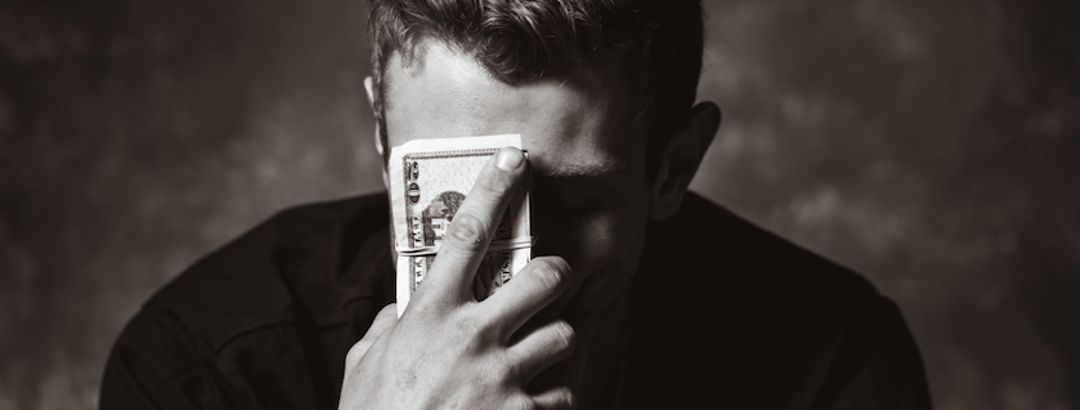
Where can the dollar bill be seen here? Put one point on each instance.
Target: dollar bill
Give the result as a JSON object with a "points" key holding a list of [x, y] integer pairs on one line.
{"points": [[429, 179]]}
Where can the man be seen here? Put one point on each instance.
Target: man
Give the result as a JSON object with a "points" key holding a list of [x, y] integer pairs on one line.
{"points": [[645, 296]]}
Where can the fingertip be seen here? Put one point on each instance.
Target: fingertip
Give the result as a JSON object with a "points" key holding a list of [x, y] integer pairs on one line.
{"points": [[567, 335], [553, 272], [509, 159], [557, 398]]}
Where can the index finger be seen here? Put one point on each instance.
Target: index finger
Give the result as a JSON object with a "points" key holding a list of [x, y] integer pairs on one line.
{"points": [[470, 231]]}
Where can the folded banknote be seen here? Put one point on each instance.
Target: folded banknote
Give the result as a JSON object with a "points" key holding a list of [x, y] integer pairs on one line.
{"points": [[429, 179]]}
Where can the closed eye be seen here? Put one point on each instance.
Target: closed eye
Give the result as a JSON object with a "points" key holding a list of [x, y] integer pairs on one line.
{"points": [[574, 193]]}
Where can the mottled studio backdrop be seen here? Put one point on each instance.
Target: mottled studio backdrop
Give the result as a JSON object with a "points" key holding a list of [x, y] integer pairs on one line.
{"points": [[932, 144]]}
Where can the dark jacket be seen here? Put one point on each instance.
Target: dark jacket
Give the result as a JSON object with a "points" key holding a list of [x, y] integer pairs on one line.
{"points": [[723, 315]]}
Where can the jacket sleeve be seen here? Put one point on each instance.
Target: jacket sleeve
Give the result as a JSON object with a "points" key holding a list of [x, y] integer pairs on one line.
{"points": [[157, 364], [878, 367]]}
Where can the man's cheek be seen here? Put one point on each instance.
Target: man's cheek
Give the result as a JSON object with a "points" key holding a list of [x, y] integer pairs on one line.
{"points": [[596, 242], [590, 239]]}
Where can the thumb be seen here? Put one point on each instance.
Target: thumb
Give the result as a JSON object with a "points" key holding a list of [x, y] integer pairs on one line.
{"points": [[384, 321]]}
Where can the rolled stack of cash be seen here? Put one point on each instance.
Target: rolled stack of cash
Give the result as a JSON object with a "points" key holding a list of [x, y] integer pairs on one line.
{"points": [[429, 179]]}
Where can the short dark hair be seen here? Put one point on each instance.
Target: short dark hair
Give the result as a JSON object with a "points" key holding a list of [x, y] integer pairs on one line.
{"points": [[655, 44]]}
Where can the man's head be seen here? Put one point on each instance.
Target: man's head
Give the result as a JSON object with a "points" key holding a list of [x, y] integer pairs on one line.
{"points": [[600, 90], [654, 46]]}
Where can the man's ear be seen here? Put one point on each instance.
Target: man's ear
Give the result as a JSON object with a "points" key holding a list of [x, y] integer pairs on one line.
{"points": [[380, 148], [370, 91], [681, 158]]}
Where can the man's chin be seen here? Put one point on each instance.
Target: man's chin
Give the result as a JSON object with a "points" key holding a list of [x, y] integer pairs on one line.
{"points": [[593, 299]]}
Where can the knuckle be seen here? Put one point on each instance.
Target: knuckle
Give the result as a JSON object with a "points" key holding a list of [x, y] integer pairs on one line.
{"points": [[422, 309], [467, 325], [468, 231], [472, 330], [494, 371], [505, 368]]}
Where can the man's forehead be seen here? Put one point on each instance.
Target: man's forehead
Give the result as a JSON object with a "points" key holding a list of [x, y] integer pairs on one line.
{"points": [[569, 128]]}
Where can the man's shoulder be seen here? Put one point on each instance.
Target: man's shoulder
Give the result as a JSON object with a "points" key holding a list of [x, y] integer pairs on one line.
{"points": [[258, 279], [785, 324], [708, 266], [259, 313], [730, 250]]}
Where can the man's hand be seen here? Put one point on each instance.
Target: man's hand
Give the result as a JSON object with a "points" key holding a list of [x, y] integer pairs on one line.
{"points": [[450, 351]]}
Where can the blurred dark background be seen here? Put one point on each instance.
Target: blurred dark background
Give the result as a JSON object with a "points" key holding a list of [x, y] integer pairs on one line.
{"points": [[931, 144]]}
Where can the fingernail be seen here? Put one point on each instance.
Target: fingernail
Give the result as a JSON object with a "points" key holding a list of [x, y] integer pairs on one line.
{"points": [[509, 159]]}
